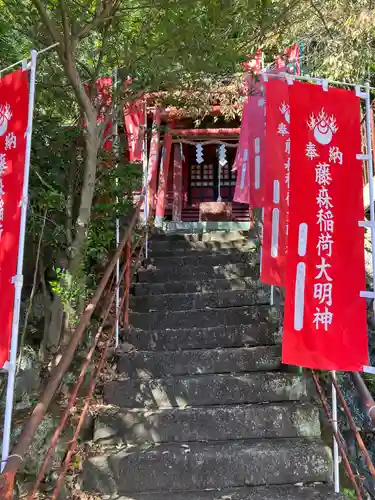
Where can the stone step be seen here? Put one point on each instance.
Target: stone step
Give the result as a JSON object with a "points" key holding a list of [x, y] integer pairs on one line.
{"points": [[153, 364], [258, 333], [195, 301], [205, 390], [217, 236], [263, 421], [205, 318], [172, 248], [180, 467], [201, 272], [293, 492], [203, 259], [211, 285]]}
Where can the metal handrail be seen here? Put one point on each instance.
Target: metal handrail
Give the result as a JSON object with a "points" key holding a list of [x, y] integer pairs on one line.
{"points": [[19, 451], [367, 400], [85, 365], [333, 424]]}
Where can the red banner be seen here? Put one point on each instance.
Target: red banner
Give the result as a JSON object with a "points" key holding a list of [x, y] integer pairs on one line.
{"points": [[252, 127], [153, 160], [257, 132], [102, 100], [13, 125], [276, 182], [325, 318], [134, 117]]}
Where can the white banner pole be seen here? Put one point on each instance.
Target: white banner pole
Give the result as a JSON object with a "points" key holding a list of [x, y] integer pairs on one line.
{"points": [[370, 167], [18, 279], [145, 178], [115, 146], [336, 461]]}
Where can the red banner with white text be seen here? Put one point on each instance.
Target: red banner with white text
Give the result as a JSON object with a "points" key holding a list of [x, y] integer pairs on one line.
{"points": [[325, 318], [13, 125], [276, 182]]}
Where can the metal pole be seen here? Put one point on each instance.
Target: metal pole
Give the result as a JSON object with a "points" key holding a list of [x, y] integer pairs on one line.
{"points": [[336, 471], [370, 167], [145, 176], [18, 279], [116, 151], [219, 173]]}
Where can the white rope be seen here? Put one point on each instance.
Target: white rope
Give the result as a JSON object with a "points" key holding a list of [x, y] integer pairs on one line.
{"points": [[46, 49], [204, 143]]}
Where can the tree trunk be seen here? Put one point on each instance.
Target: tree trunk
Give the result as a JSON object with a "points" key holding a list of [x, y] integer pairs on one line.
{"points": [[87, 195]]}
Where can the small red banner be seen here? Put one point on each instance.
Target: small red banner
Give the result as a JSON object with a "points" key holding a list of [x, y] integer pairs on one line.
{"points": [[153, 161], [277, 151], [325, 323], [134, 117], [13, 125], [252, 127]]}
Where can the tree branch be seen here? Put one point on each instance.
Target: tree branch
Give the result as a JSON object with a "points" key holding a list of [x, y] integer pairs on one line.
{"points": [[66, 31], [110, 8], [38, 4], [321, 17]]}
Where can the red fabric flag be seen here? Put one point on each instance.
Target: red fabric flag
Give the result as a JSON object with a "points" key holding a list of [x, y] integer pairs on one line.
{"points": [[252, 125], [277, 151], [134, 117], [102, 100], [325, 318], [257, 132], [153, 160], [13, 125]]}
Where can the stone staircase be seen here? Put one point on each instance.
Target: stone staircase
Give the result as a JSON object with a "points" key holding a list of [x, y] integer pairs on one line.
{"points": [[201, 408]]}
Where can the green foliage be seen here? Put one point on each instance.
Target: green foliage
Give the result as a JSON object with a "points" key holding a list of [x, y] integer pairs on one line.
{"points": [[70, 291], [350, 494]]}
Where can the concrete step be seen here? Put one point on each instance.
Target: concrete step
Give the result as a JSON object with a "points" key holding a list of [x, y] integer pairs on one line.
{"points": [[211, 285], [180, 467], [205, 318], [204, 259], [205, 236], [258, 333], [153, 364], [172, 248], [263, 421], [292, 492], [194, 301], [202, 272], [204, 390]]}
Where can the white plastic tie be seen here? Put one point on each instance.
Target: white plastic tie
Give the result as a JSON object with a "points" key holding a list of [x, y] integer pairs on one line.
{"points": [[289, 79], [363, 157], [324, 83], [359, 93], [366, 223], [17, 280]]}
